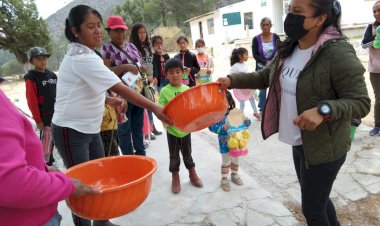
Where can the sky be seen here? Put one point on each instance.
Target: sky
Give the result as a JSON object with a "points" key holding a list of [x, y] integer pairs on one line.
{"points": [[48, 7]]}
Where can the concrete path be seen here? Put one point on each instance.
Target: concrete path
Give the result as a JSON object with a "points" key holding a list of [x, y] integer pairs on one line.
{"points": [[269, 184], [249, 204]]}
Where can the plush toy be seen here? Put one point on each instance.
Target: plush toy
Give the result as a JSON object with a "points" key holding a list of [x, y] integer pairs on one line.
{"points": [[376, 43], [185, 75], [204, 77], [238, 133]]}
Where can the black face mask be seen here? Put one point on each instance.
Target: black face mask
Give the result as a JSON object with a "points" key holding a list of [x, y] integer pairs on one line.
{"points": [[293, 26]]}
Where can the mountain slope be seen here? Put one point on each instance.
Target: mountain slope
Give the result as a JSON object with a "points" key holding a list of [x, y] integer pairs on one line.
{"points": [[56, 22]]}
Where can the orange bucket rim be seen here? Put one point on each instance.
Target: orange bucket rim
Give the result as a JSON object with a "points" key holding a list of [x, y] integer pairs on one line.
{"points": [[107, 190], [191, 88]]}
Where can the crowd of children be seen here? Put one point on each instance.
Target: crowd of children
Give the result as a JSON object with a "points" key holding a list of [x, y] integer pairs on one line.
{"points": [[172, 76]]}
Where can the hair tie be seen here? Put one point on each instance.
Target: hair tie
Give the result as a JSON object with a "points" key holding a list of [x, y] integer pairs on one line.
{"points": [[336, 6]]}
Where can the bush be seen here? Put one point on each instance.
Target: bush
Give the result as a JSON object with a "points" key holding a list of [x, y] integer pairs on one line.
{"points": [[169, 36], [12, 67]]}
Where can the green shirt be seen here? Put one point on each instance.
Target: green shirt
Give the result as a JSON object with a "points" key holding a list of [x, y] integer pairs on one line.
{"points": [[167, 93]]}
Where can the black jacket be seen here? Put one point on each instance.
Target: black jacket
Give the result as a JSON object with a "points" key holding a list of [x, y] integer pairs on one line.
{"points": [[256, 53], [190, 61], [157, 73]]}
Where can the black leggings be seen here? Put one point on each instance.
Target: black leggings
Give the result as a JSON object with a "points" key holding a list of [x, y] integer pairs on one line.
{"points": [[316, 184], [375, 81]]}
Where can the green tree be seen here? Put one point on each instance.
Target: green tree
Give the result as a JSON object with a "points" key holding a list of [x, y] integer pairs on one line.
{"points": [[5, 56], [21, 28], [132, 11], [155, 9], [176, 12], [12, 67]]}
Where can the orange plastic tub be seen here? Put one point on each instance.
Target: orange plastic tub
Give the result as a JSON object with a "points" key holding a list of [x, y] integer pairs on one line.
{"points": [[124, 180], [198, 107]]}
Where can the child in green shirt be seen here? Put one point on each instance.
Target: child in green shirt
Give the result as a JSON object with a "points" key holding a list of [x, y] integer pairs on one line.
{"points": [[177, 139]]}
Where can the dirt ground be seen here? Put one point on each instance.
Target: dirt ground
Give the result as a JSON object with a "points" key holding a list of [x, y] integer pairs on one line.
{"points": [[365, 212]]}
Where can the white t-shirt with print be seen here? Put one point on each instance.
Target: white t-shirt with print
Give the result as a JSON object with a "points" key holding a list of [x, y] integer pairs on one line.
{"points": [[293, 65], [268, 49], [82, 82]]}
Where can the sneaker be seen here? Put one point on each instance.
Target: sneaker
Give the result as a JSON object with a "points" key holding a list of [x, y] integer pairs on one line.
{"points": [[257, 116], [152, 137], [236, 179], [375, 131], [225, 184]]}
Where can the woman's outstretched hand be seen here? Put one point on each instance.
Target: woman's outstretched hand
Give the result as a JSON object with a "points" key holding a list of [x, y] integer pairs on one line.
{"points": [[225, 82], [159, 112], [83, 189], [309, 119]]}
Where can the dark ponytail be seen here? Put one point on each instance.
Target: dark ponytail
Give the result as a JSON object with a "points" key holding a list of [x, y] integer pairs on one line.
{"points": [[68, 33], [332, 9], [236, 53], [230, 100], [76, 17]]}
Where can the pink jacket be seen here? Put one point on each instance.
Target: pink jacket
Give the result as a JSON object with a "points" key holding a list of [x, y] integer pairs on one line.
{"points": [[29, 195], [374, 56]]}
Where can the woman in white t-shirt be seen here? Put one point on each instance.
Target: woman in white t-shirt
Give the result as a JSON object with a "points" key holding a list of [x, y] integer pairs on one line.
{"points": [[80, 100], [316, 86]]}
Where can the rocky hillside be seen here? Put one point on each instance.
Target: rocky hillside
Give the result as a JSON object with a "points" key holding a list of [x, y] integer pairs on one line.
{"points": [[56, 22]]}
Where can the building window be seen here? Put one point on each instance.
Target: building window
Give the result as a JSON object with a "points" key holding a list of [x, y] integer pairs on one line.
{"points": [[231, 19], [263, 3], [210, 26], [248, 20]]}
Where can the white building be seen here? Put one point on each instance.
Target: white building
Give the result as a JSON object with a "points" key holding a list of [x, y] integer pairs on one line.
{"points": [[242, 20]]}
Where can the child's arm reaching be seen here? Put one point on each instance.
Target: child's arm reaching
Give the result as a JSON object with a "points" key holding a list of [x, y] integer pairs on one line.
{"points": [[247, 122], [219, 127]]}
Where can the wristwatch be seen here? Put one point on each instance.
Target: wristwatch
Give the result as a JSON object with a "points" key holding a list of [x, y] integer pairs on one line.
{"points": [[325, 110]]}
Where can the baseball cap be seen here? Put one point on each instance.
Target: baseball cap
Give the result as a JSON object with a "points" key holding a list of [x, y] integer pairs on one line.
{"points": [[37, 51], [114, 22]]}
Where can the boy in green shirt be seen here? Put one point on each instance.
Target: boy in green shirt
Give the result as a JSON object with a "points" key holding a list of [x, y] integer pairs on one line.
{"points": [[177, 139]]}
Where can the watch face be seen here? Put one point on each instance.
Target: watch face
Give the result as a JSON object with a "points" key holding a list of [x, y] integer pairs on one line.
{"points": [[325, 109]]}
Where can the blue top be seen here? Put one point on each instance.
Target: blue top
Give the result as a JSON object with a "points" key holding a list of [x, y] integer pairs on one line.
{"points": [[224, 135]]}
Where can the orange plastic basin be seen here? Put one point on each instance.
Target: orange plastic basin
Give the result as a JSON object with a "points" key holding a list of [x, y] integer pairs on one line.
{"points": [[124, 180], [198, 107]]}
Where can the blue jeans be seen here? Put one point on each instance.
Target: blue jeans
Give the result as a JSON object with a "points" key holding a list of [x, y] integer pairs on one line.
{"points": [[316, 183], [131, 130], [75, 147], [55, 220], [262, 99], [262, 94]]}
